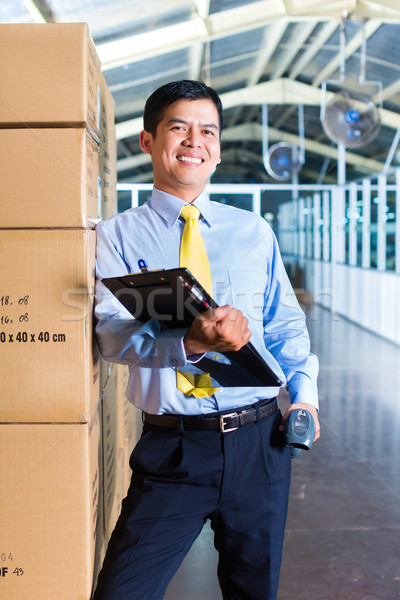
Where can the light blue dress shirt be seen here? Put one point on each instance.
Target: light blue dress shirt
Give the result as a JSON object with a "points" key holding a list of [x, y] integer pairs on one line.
{"points": [[247, 273]]}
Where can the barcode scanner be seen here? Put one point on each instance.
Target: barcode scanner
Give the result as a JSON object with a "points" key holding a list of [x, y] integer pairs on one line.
{"points": [[299, 431]]}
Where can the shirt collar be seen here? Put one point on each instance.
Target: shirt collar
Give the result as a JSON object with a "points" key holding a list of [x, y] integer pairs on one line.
{"points": [[169, 207]]}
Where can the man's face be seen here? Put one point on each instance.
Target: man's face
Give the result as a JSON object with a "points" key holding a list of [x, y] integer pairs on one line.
{"points": [[186, 149]]}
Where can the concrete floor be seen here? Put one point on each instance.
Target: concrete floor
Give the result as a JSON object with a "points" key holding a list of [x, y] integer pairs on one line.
{"points": [[342, 539]]}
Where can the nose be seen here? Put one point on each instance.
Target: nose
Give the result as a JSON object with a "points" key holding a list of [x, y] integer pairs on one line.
{"points": [[192, 139]]}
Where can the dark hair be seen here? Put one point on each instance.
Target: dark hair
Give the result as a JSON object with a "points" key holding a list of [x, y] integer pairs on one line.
{"points": [[167, 94]]}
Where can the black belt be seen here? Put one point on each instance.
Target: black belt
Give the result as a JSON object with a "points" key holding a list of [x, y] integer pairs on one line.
{"points": [[223, 422]]}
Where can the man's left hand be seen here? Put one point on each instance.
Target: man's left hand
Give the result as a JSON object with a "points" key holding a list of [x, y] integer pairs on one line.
{"points": [[305, 406]]}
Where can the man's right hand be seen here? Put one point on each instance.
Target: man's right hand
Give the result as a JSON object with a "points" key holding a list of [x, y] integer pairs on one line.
{"points": [[220, 329]]}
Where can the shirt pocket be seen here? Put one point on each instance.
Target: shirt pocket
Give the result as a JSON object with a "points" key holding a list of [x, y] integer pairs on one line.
{"points": [[248, 292]]}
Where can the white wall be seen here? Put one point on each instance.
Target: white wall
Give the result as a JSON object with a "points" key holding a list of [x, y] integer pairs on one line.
{"points": [[332, 243], [366, 296]]}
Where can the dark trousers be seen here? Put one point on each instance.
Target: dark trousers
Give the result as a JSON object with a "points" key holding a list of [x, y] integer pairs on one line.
{"points": [[238, 480]]}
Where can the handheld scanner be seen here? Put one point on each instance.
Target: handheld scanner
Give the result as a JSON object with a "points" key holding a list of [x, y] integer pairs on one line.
{"points": [[299, 431]]}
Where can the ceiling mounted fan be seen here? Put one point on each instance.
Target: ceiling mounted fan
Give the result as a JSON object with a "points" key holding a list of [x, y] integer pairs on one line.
{"points": [[351, 116], [283, 160]]}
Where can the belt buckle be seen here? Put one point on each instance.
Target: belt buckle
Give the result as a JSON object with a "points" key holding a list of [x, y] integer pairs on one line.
{"points": [[223, 425]]}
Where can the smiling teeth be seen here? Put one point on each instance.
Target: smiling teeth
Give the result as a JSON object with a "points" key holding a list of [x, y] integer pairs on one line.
{"points": [[189, 159]]}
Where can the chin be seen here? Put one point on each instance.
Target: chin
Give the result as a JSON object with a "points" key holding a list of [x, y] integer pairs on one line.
{"points": [[193, 181]]}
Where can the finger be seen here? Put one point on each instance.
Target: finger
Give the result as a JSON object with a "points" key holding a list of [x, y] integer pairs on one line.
{"points": [[213, 315], [282, 423], [247, 333], [217, 314]]}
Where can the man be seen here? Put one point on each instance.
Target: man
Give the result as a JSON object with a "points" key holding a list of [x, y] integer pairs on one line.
{"points": [[186, 469]]}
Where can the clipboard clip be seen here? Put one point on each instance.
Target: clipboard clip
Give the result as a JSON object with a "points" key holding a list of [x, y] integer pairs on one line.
{"points": [[142, 265]]}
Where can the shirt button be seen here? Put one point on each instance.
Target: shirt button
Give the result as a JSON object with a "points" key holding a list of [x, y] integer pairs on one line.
{"points": [[174, 362], [220, 389]]}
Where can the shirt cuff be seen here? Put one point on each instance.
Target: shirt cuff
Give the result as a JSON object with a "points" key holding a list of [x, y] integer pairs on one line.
{"points": [[194, 358], [304, 390], [170, 348]]}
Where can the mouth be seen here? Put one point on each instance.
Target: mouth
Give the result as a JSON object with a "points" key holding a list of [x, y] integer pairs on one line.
{"points": [[190, 159]]}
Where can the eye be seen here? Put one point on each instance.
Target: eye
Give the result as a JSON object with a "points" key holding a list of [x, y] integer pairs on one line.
{"points": [[208, 132]]}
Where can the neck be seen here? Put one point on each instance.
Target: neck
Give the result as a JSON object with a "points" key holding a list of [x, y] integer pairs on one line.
{"points": [[188, 195]]}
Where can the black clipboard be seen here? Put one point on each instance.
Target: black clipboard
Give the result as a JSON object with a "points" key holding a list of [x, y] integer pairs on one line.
{"points": [[174, 298]]}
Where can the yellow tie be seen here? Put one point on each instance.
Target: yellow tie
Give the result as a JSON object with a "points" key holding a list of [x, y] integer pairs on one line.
{"points": [[193, 256]]}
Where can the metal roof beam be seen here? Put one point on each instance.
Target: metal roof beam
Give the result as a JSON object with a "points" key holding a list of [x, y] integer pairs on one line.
{"points": [[387, 10], [196, 59], [36, 11], [324, 35], [131, 162], [145, 176], [300, 34], [352, 46], [389, 91], [203, 8], [197, 49], [152, 43], [128, 128], [277, 91], [272, 37]]}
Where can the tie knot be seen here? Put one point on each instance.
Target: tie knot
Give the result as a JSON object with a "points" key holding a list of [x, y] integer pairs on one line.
{"points": [[190, 212]]}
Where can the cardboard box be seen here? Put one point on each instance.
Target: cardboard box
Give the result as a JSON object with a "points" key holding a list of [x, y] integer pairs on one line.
{"points": [[108, 152], [127, 469], [105, 372], [50, 76], [110, 445], [120, 490], [131, 417], [51, 517], [131, 422], [49, 363], [113, 455], [49, 178]]}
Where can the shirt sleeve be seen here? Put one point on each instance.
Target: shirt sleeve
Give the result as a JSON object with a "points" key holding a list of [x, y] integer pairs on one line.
{"points": [[285, 332], [122, 338]]}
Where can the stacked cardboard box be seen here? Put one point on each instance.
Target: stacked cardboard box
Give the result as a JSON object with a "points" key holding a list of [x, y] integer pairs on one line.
{"points": [[51, 509], [130, 422], [57, 167], [108, 152], [114, 457], [122, 427]]}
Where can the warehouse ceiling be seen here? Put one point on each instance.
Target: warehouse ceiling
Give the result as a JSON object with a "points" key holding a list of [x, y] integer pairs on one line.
{"points": [[274, 52]]}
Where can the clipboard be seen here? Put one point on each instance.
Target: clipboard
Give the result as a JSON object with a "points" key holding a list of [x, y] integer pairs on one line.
{"points": [[174, 298]]}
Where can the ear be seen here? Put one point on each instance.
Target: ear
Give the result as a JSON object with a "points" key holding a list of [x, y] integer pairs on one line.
{"points": [[145, 141]]}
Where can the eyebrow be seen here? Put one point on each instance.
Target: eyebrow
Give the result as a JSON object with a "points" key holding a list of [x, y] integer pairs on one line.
{"points": [[177, 120]]}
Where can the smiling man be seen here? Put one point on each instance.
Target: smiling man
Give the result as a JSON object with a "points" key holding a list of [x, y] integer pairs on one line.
{"points": [[185, 147], [205, 452]]}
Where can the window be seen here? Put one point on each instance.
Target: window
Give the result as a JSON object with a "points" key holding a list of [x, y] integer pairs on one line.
{"points": [[359, 226], [374, 227], [390, 227]]}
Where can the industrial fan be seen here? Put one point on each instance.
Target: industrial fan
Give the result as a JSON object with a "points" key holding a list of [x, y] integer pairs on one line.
{"points": [[351, 117], [283, 160]]}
